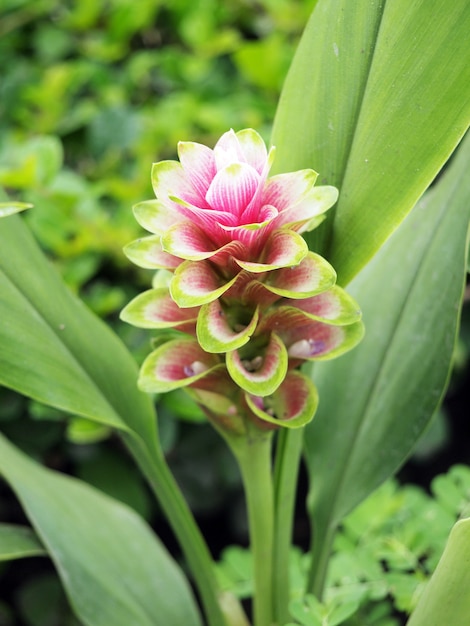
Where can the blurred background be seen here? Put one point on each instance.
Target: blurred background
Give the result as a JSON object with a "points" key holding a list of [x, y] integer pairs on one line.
{"points": [[91, 94]]}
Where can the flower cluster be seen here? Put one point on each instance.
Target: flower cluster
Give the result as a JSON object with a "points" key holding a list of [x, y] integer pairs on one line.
{"points": [[236, 280]]}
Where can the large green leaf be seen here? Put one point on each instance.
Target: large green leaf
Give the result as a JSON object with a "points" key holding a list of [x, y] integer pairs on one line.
{"points": [[55, 350], [376, 401], [377, 97], [113, 568], [446, 599]]}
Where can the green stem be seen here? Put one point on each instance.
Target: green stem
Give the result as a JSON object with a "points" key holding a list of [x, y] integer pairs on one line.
{"points": [[288, 455], [253, 453], [194, 547]]}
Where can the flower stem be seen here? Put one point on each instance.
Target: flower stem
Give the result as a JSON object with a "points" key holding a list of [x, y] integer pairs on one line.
{"points": [[253, 453], [194, 547], [288, 454]]}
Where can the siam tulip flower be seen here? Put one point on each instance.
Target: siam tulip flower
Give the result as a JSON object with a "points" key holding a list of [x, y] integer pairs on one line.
{"points": [[238, 280]]}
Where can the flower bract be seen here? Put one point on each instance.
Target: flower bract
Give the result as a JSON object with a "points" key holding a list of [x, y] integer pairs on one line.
{"points": [[249, 302]]}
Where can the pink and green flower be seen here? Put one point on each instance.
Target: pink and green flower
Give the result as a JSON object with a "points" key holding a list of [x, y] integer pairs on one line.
{"points": [[249, 300]]}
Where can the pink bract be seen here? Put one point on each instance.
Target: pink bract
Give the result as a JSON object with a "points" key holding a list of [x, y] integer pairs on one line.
{"points": [[211, 198]]}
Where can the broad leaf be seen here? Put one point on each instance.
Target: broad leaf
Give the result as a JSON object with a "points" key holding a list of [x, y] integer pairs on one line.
{"points": [[377, 97], [113, 568], [376, 401], [446, 599], [55, 350], [18, 542]]}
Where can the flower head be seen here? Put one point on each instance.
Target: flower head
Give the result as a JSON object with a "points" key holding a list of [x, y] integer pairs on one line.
{"points": [[252, 301]]}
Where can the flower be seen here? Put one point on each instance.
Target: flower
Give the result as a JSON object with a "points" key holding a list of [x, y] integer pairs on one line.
{"points": [[219, 206], [237, 281]]}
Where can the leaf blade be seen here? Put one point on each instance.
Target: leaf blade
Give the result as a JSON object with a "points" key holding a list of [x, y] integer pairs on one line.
{"points": [[121, 577], [55, 350], [377, 124], [375, 401]]}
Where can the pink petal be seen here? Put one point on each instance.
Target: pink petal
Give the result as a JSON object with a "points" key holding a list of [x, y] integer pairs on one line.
{"points": [[314, 340], [313, 275], [292, 405], [253, 149], [233, 188], [311, 206], [227, 150], [195, 283], [170, 180], [199, 165], [225, 256], [175, 364], [156, 309], [188, 241], [206, 218], [283, 249], [285, 190], [253, 236], [304, 337], [334, 305]]}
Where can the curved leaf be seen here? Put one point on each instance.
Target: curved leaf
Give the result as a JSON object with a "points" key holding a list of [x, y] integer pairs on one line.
{"points": [[445, 599], [377, 97], [113, 568], [376, 401], [55, 350]]}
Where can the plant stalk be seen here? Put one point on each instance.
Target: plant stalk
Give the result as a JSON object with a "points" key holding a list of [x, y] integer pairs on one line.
{"points": [[288, 455], [253, 453]]}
